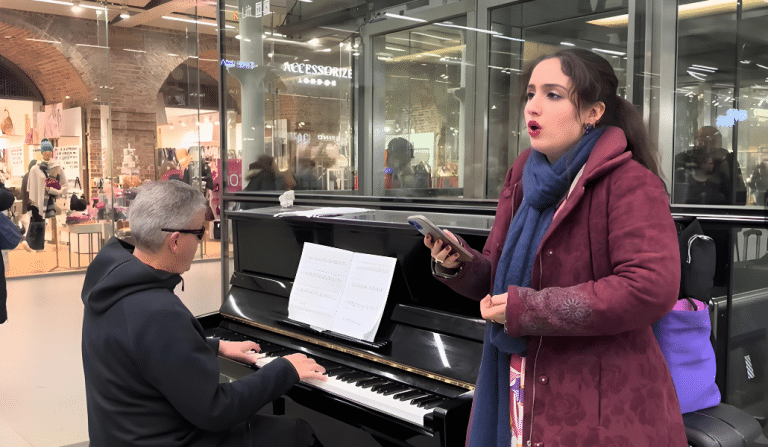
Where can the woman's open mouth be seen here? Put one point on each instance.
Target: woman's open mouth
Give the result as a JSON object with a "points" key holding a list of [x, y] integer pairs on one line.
{"points": [[533, 129]]}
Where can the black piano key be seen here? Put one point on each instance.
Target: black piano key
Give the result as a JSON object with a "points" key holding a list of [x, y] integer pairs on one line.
{"points": [[427, 398], [408, 395], [432, 404], [352, 376], [357, 380], [340, 370], [398, 390], [369, 383], [327, 364], [385, 387]]}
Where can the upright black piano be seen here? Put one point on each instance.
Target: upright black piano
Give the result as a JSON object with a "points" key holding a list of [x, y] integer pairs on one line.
{"points": [[412, 385]]}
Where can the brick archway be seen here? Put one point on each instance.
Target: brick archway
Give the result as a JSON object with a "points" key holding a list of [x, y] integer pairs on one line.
{"points": [[55, 69]]}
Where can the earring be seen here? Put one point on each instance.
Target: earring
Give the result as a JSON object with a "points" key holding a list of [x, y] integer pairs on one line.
{"points": [[588, 127]]}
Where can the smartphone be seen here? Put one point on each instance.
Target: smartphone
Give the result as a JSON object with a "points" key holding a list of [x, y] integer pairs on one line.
{"points": [[426, 227]]}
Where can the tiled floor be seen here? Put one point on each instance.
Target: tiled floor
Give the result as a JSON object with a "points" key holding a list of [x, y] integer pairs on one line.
{"points": [[42, 393]]}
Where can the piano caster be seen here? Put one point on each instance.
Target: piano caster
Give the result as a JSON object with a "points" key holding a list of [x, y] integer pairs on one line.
{"points": [[278, 407]]}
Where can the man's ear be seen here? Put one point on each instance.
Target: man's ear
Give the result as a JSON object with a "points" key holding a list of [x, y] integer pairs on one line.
{"points": [[173, 242]]}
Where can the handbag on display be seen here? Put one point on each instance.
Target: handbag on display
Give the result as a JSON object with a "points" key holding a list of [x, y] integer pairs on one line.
{"points": [[77, 203], [7, 125], [35, 236]]}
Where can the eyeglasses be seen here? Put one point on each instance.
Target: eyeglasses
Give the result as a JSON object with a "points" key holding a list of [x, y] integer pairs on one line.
{"points": [[199, 233]]}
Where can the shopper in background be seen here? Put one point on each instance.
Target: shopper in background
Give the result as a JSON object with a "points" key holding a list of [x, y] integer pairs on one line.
{"points": [[581, 260], [7, 242], [151, 376]]}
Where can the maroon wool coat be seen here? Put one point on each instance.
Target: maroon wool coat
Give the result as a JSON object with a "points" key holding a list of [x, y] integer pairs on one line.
{"points": [[607, 268]]}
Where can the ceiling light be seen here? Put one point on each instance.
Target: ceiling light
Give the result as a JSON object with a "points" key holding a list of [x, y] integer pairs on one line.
{"points": [[451, 25], [617, 53], [569, 44], [398, 16], [199, 22], [124, 13], [76, 6], [314, 41], [56, 2], [38, 40], [704, 67]]}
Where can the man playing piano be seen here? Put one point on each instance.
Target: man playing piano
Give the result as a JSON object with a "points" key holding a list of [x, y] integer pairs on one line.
{"points": [[151, 376]]}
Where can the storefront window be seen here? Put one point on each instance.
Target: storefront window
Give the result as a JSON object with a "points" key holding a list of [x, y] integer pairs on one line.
{"points": [[103, 93], [288, 115], [524, 32], [420, 106], [721, 107]]}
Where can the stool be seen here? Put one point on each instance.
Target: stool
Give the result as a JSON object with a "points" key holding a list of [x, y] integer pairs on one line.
{"points": [[90, 230]]}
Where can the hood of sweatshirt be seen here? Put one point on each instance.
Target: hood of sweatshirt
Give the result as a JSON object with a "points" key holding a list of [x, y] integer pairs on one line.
{"points": [[116, 273]]}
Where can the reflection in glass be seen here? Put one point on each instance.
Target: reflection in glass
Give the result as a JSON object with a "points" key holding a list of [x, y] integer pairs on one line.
{"points": [[288, 119], [419, 105], [523, 33], [721, 104], [747, 361]]}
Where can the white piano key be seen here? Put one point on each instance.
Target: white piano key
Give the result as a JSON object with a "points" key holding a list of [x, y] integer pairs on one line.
{"points": [[364, 396]]}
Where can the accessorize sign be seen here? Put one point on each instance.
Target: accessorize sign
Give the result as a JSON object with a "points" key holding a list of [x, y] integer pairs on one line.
{"points": [[311, 69]]}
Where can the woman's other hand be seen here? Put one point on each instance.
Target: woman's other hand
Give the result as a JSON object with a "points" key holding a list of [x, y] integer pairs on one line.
{"points": [[493, 308], [442, 252]]}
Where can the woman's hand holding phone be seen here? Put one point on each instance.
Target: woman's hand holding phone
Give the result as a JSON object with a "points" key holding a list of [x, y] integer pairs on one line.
{"points": [[442, 252]]}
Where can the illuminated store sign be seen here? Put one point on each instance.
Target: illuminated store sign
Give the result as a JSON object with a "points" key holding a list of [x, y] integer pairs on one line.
{"points": [[238, 64], [314, 81], [259, 9], [324, 70], [306, 138], [731, 117]]}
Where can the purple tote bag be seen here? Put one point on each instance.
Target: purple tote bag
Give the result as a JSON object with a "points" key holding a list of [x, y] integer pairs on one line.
{"points": [[683, 335]]}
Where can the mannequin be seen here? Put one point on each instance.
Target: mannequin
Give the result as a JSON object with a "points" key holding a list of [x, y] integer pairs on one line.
{"points": [[43, 191]]}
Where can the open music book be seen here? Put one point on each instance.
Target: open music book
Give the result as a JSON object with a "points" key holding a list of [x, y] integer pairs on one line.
{"points": [[341, 291]]}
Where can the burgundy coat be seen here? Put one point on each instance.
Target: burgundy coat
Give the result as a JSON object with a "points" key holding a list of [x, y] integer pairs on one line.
{"points": [[607, 268]]}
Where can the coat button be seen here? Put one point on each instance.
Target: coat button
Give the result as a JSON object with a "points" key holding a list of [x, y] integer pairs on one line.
{"points": [[538, 444], [499, 247], [507, 192], [549, 252], [543, 380]]}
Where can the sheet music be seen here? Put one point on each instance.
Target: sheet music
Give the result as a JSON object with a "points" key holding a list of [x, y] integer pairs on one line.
{"points": [[340, 290]]}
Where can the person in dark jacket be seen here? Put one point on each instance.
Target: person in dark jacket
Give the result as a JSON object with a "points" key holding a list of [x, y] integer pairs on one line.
{"points": [[582, 259], [6, 202], [261, 175], [151, 376]]}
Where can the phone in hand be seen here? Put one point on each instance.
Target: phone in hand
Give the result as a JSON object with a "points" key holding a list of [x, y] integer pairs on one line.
{"points": [[426, 227]]}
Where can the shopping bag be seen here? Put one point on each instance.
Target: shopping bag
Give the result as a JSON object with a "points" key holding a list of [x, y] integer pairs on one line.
{"points": [[683, 335]]}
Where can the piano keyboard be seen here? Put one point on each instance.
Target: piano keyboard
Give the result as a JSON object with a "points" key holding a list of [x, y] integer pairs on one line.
{"points": [[378, 393]]}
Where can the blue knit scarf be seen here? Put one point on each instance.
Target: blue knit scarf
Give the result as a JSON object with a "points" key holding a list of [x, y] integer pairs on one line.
{"points": [[544, 185]]}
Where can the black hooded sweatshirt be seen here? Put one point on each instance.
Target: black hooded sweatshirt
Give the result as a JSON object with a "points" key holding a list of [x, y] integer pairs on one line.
{"points": [[151, 377]]}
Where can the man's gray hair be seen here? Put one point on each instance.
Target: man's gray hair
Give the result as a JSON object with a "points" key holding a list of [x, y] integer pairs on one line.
{"points": [[163, 204]]}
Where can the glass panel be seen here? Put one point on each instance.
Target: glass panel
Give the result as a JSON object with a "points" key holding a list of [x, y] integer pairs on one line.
{"points": [[525, 32], [288, 110], [747, 357], [721, 138], [113, 80], [420, 104]]}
